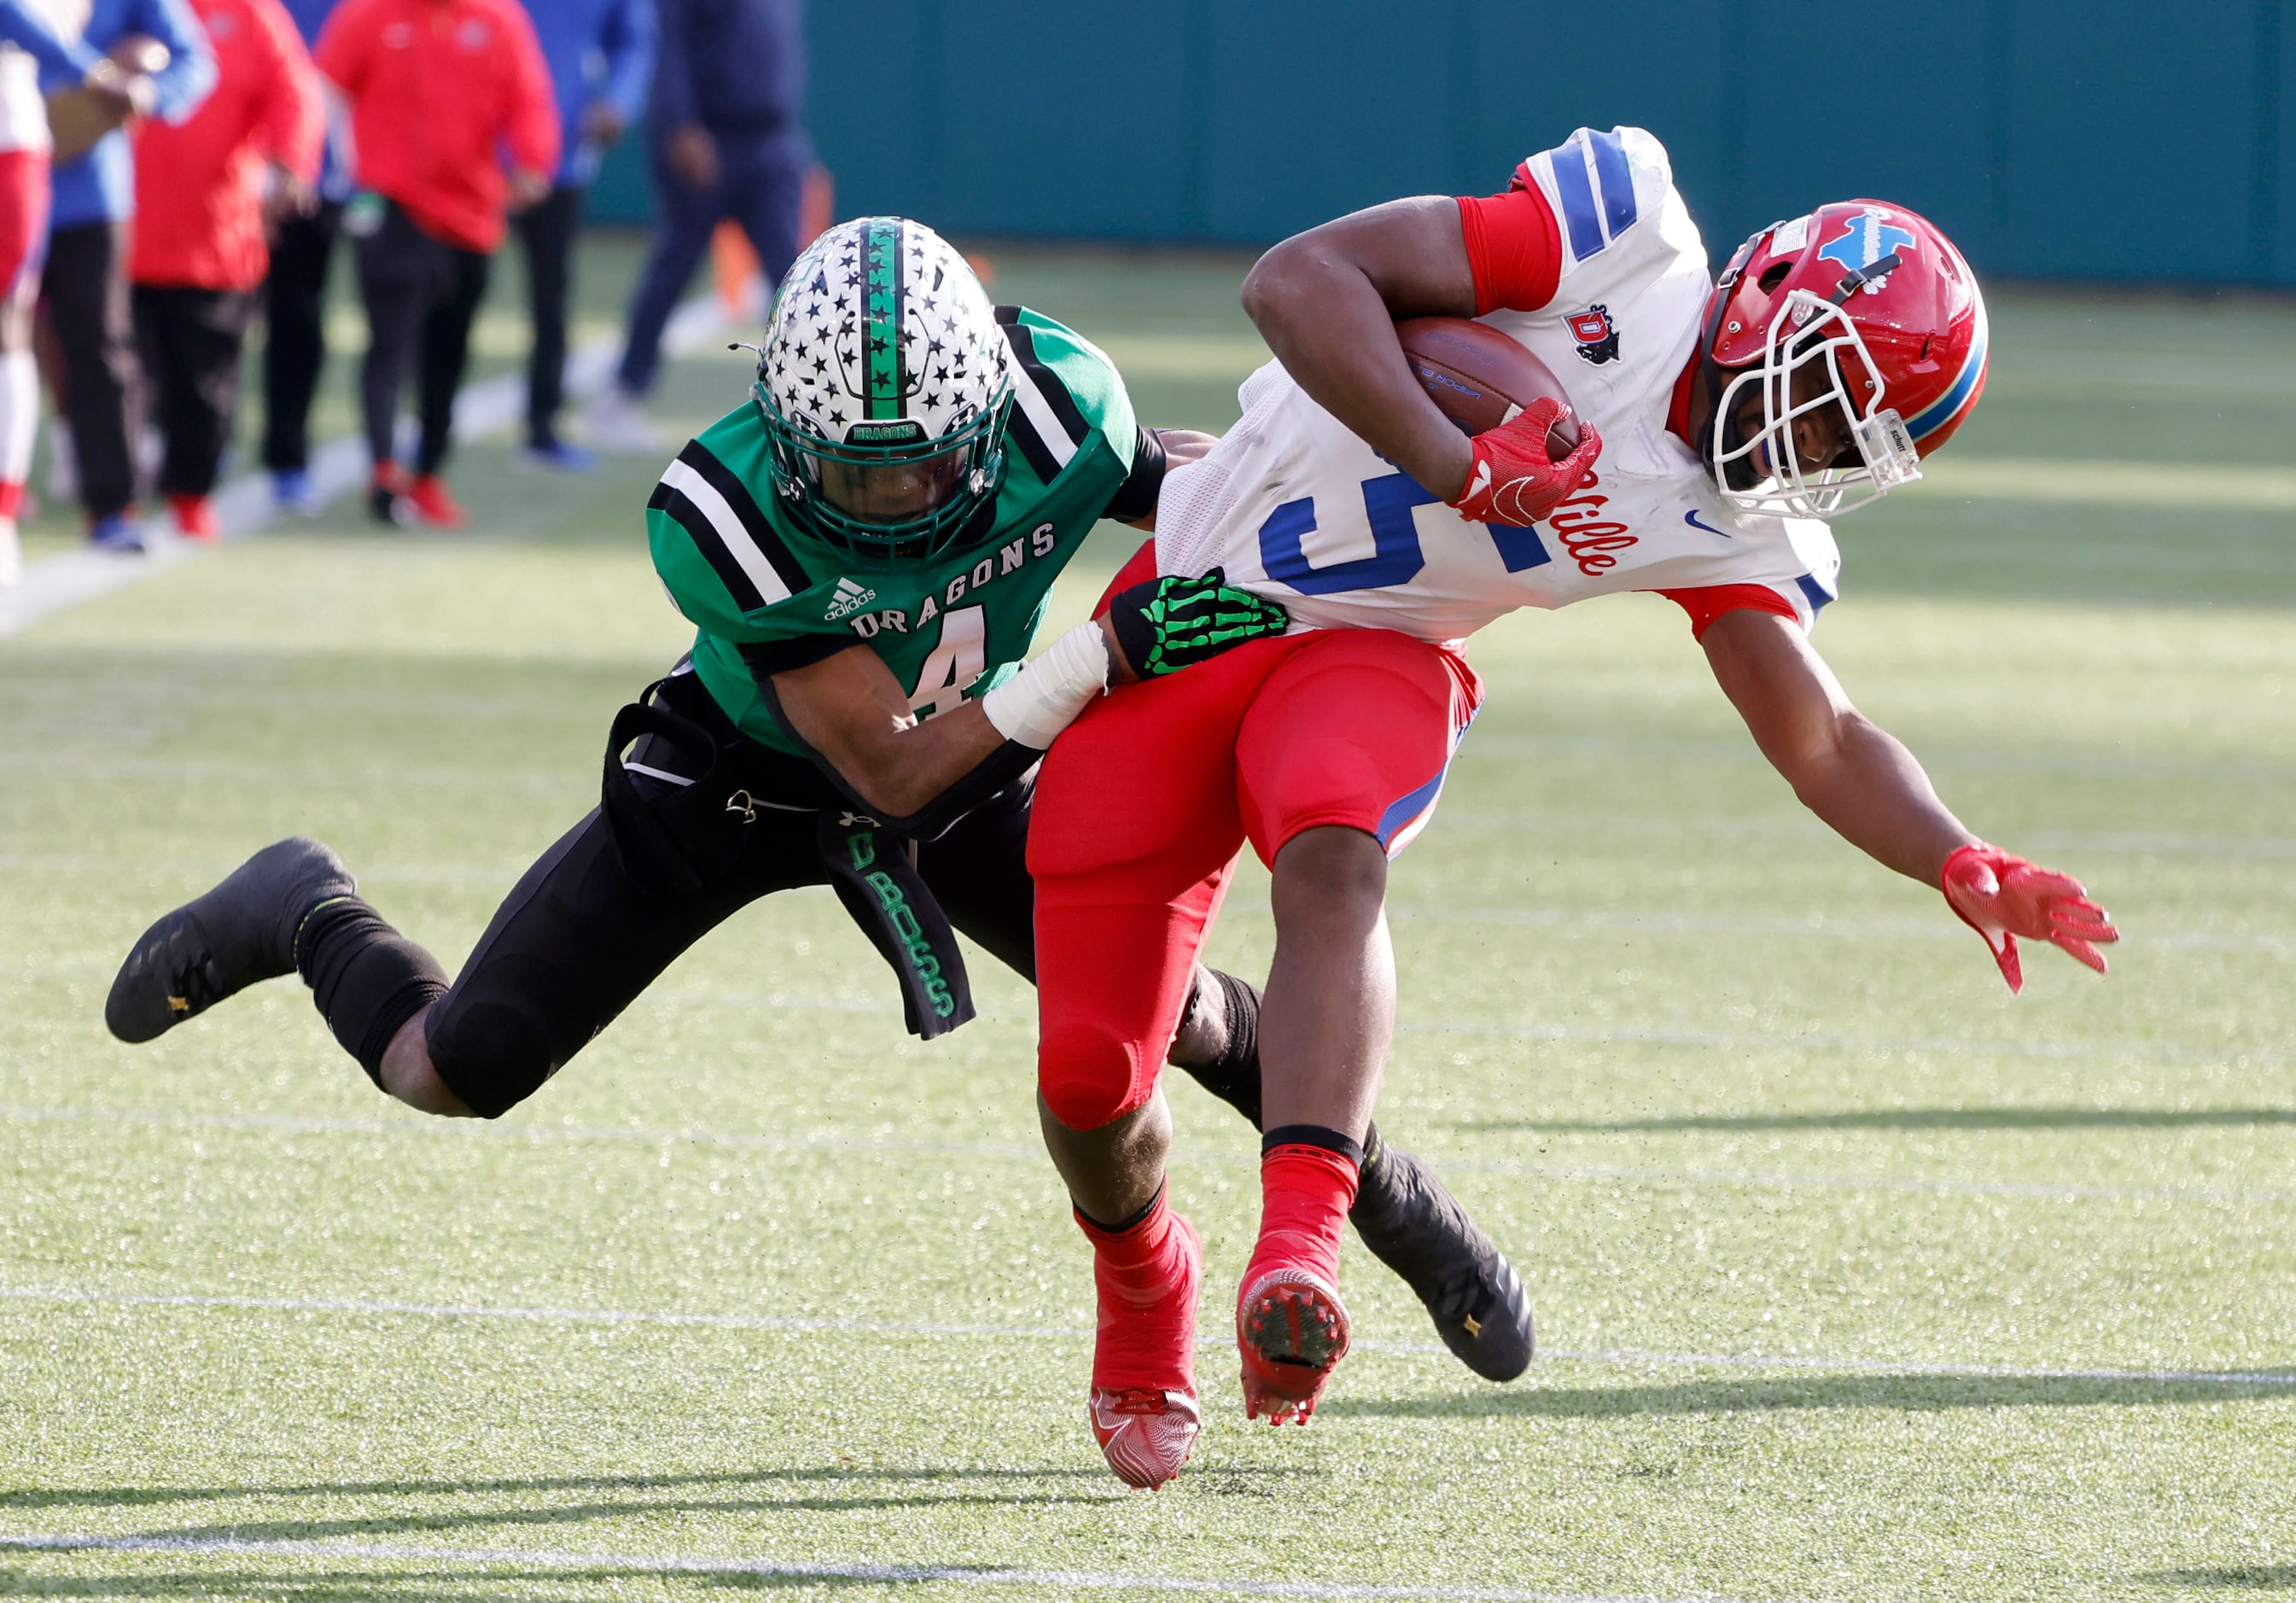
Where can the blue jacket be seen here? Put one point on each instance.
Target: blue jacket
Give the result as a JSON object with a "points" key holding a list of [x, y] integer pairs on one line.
{"points": [[100, 187], [29, 30], [335, 177], [734, 66], [598, 51]]}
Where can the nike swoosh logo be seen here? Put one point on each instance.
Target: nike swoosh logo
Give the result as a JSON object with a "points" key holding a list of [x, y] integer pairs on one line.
{"points": [[1691, 518]]}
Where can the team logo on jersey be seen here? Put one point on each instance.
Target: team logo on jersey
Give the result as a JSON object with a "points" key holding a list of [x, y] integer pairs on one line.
{"points": [[849, 598], [1864, 240], [1597, 335]]}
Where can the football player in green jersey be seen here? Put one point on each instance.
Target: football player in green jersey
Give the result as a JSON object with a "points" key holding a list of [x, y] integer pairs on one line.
{"points": [[866, 546]]}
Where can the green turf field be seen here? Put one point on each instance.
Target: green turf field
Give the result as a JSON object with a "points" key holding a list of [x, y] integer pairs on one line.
{"points": [[1859, 1280]]}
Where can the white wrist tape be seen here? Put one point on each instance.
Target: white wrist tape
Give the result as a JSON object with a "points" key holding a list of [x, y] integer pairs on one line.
{"points": [[1044, 698]]}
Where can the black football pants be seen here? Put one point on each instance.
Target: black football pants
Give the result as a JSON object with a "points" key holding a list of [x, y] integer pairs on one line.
{"points": [[547, 230], [190, 340], [295, 298], [422, 296], [85, 286], [580, 936]]}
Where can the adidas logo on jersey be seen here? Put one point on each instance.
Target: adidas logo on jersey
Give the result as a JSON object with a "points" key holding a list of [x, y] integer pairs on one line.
{"points": [[849, 598]]}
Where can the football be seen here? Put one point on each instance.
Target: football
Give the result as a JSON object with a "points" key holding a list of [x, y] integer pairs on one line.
{"points": [[1477, 375]]}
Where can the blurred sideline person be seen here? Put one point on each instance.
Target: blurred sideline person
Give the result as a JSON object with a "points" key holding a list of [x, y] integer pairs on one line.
{"points": [[729, 141], [205, 192], [84, 284], [1721, 424], [28, 45], [438, 89], [866, 546], [294, 302], [601, 54]]}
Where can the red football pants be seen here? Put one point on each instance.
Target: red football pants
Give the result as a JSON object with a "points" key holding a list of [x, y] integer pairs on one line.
{"points": [[1145, 801]]}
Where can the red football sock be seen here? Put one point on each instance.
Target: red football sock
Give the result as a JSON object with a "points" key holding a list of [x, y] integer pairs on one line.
{"points": [[12, 496], [1147, 1276], [1305, 1194]]}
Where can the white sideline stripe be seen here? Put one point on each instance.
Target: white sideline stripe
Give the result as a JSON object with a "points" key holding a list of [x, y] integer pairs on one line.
{"points": [[2040, 1190], [898, 1575], [743, 1322], [681, 477], [243, 506]]}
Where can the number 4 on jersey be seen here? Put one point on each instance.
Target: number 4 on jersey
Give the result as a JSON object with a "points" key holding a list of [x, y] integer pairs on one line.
{"points": [[954, 663]]}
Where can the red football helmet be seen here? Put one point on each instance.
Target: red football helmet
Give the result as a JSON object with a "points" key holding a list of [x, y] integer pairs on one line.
{"points": [[1884, 307]]}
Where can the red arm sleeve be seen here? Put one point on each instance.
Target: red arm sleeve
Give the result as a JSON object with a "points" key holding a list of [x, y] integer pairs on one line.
{"points": [[529, 106], [1514, 248], [1709, 601]]}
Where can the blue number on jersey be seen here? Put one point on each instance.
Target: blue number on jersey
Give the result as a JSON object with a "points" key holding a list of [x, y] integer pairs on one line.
{"points": [[1396, 558]]}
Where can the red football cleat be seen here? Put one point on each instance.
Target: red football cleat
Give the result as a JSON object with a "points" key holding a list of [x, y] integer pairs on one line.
{"points": [[1145, 1434], [195, 518], [1143, 1405], [435, 502], [1292, 1329]]}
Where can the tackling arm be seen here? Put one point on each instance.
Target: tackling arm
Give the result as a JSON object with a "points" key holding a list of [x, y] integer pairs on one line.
{"points": [[1871, 791]]}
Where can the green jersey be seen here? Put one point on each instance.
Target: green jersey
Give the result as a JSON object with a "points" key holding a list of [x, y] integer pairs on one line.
{"points": [[768, 596]]}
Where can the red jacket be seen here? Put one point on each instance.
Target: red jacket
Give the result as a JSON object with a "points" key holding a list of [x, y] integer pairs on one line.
{"points": [[199, 185], [438, 87]]}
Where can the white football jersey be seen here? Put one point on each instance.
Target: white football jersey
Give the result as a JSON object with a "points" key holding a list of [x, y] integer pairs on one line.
{"points": [[1295, 507]]}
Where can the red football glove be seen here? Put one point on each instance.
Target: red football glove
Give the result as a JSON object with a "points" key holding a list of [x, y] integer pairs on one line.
{"points": [[2002, 897], [1514, 480]]}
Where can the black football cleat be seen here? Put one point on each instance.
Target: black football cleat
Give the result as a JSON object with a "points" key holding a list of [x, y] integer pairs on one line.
{"points": [[240, 932], [1414, 1225]]}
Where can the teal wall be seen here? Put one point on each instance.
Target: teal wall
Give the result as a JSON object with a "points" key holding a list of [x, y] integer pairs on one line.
{"points": [[2061, 140]]}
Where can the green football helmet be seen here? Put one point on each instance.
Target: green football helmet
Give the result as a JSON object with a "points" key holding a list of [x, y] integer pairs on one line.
{"points": [[884, 381]]}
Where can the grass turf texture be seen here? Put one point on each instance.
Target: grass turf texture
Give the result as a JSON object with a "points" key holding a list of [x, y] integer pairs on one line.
{"points": [[1723, 1086]]}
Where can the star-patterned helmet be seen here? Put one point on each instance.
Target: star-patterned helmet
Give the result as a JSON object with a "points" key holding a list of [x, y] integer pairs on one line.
{"points": [[884, 382]]}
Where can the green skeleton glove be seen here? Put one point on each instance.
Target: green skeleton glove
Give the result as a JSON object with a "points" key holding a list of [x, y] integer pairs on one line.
{"points": [[1166, 624]]}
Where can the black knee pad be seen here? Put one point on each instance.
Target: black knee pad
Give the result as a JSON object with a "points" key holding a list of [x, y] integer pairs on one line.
{"points": [[492, 1051]]}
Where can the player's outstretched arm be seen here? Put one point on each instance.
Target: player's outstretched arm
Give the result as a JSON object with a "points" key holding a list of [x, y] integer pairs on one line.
{"points": [[851, 712], [1873, 793]]}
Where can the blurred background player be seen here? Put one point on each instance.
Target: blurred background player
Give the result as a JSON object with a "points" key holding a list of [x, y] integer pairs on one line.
{"points": [[294, 302], [439, 91], [729, 141], [84, 284], [28, 45], [601, 54], [205, 192]]}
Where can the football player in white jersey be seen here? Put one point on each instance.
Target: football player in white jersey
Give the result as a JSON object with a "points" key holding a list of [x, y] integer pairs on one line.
{"points": [[1721, 423]]}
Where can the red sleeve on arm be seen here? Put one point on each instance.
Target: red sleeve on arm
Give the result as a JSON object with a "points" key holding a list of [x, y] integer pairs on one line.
{"points": [[1709, 601], [1514, 248], [530, 108]]}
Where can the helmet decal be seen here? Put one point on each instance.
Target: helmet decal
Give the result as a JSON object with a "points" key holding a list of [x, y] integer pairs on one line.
{"points": [[1864, 240]]}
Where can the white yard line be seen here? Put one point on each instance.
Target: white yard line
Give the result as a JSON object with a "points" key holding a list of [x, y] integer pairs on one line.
{"points": [[894, 1575], [244, 507], [653, 1136], [1617, 1357]]}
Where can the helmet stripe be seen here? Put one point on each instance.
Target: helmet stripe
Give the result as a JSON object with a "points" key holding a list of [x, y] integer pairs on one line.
{"points": [[1943, 410], [880, 329]]}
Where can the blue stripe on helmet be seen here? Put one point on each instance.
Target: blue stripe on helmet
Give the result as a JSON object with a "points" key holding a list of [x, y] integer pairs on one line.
{"points": [[1617, 181], [1939, 412], [1577, 200]]}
